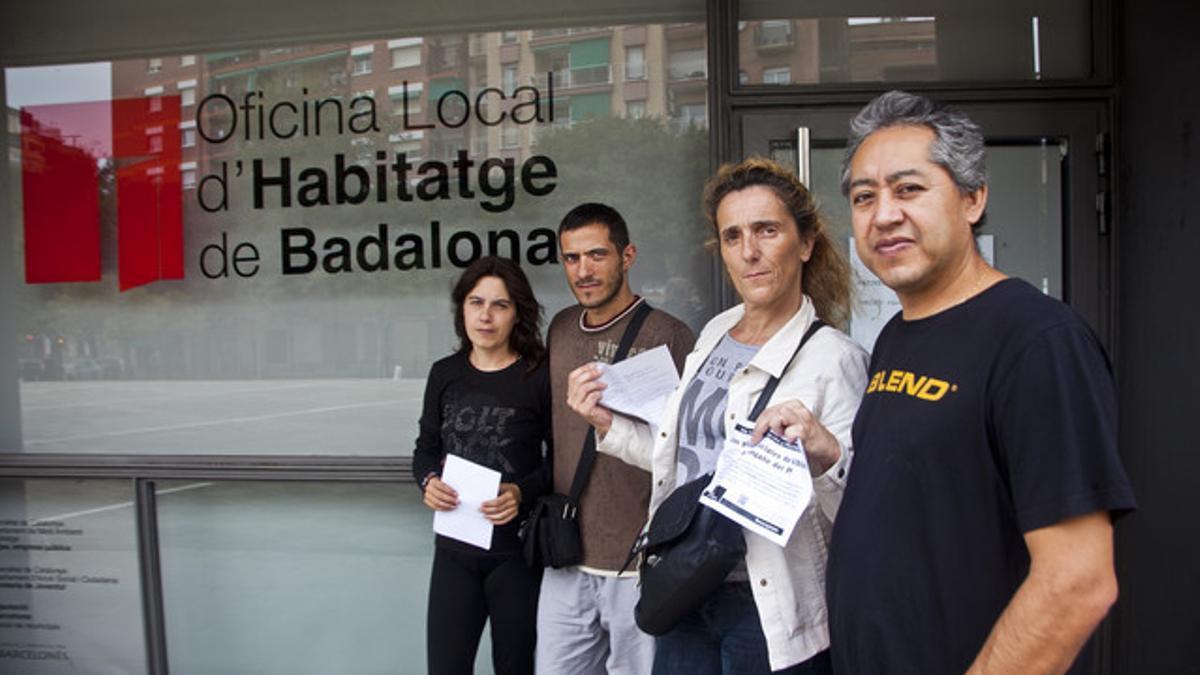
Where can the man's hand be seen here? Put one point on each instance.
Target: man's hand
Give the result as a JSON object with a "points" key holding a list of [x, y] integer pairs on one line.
{"points": [[440, 496], [504, 507], [1070, 587], [583, 396], [795, 422]]}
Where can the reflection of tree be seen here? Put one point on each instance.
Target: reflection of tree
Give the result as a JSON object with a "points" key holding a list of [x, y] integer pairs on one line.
{"points": [[653, 176]]}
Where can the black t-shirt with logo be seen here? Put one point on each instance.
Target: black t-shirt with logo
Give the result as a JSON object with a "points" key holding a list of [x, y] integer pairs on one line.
{"points": [[500, 419], [983, 422]]}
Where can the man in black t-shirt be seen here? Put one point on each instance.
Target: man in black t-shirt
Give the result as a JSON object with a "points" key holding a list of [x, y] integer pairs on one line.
{"points": [[975, 534]]}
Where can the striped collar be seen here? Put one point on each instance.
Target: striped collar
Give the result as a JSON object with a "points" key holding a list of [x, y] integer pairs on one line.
{"points": [[637, 300]]}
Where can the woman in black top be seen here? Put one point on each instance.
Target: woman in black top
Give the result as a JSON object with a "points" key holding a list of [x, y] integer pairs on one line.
{"points": [[489, 402]]}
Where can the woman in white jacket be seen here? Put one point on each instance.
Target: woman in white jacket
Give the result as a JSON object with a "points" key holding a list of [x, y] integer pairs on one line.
{"points": [[770, 615]]}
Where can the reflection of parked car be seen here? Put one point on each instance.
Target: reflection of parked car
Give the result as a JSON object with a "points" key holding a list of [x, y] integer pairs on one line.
{"points": [[81, 369], [32, 369], [111, 367]]}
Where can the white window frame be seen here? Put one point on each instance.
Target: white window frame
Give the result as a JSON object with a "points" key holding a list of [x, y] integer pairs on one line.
{"points": [[510, 77], [362, 64], [777, 75], [405, 57], [635, 70]]}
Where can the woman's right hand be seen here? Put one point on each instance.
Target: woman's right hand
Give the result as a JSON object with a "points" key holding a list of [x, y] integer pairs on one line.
{"points": [[583, 396], [440, 496], [795, 422]]}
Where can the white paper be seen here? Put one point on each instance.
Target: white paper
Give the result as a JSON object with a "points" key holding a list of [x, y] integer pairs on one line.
{"points": [[876, 304], [474, 484], [763, 487], [640, 385]]}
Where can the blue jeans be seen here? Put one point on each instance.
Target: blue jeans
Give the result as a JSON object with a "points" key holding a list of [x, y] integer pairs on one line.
{"points": [[724, 637]]}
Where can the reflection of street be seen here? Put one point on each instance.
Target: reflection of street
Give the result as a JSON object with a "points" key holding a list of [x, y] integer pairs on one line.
{"points": [[247, 566], [334, 417], [113, 507]]}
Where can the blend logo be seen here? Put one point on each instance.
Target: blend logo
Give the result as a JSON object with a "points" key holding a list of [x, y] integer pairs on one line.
{"points": [[62, 146], [904, 382]]}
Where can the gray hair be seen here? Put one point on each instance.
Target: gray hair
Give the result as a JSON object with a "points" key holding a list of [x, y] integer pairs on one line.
{"points": [[957, 145]]}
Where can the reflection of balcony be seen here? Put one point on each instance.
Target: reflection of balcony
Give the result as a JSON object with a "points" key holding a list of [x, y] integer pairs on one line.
{"points": [[561, 77], [687, 71], [590, 75], [586, 76], [772, 35], [635, 71], [442, 59], [562, 32], [477, 46], [687, 123], [222, 59]]}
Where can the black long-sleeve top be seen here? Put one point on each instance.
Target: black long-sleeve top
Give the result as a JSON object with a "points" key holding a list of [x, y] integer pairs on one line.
{"points": [[499, 419]]}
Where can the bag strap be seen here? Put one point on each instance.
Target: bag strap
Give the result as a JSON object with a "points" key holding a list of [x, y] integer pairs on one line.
{"points": [[769, 390], [643, 538], [588, 459]]}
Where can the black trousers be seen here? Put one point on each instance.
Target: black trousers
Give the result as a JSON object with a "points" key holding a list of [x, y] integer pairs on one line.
{"points": [[464, 591]]}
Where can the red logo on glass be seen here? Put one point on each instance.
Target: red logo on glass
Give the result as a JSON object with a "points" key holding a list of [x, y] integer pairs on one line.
{"points": [[64, 148]]}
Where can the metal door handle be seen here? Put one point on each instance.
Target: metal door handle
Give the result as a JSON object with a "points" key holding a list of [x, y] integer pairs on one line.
{"points": [[803, 150]]}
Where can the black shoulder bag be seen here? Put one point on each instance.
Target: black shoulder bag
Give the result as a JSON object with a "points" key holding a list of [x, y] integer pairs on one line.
{"points": [[550, 535], [689, 550]]}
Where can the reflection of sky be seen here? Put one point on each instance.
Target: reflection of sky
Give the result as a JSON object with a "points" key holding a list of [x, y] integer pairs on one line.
{"points": [[39, 85], [73, 99]]}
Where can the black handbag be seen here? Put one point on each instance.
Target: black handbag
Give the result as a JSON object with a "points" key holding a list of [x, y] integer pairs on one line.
{"points": [[688, 550], [550, 535]]}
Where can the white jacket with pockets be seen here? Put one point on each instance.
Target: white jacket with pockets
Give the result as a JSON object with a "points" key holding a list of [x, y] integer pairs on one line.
{"points": [[829, 377]]}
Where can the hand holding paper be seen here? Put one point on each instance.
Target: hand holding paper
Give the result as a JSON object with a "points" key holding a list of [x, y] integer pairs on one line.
{"points": [[475, 484], [640, 385], [762, 486]]}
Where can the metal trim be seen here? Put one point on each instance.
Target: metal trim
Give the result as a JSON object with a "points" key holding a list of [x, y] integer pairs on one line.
{"points": [[209, 467], [150, 572], [803, 155]]}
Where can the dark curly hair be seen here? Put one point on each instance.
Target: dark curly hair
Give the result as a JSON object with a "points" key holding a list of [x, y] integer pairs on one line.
{"points": [[827, 273], [526, 337]]}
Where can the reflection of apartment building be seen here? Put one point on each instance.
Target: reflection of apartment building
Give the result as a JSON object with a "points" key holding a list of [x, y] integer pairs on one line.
{"points": [[166, 76], [687, 75], [654, 71], [840, 49], [657, 71]]}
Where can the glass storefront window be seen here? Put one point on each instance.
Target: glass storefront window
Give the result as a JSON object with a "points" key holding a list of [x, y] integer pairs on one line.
{"points": [[266, 270], [295, 578], [70, 597], [930, 40]]}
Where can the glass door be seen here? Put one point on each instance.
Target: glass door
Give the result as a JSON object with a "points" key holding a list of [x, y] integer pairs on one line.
{"points": [[1045, 220]]}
